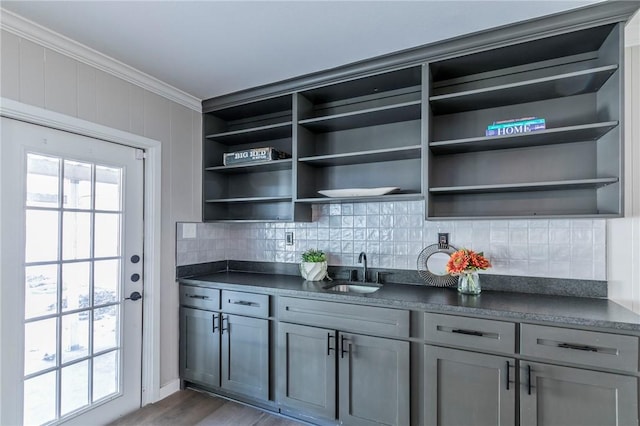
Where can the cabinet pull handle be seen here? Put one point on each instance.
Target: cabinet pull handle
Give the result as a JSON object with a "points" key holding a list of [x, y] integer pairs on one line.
{"points": [[329, 348], [342, 349], [578, 347], [214, 323], [222, 319], [508, 372], [468, 332], [197, 296], [529, 379], [242, 302]]}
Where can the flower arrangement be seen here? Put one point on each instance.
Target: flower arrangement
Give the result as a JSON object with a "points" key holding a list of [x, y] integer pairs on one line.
{"points": [[465, 261], [465, 264]]}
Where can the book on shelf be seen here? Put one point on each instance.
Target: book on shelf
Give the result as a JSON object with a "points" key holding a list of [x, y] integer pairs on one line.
{"points": [[254, 155], [515, 126]]}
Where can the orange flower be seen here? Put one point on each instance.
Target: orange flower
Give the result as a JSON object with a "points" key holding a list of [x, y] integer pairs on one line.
{"points": [[465, 260]]}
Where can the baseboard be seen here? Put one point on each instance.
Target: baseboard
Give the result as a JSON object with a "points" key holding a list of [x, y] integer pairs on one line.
{"points": [[168, 389]]}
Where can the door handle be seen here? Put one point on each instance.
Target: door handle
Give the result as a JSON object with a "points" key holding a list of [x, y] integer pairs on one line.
{"points": [[529, 379], [214, 323], [134, 296], [222, 319], [342, 345], [329, 348]]}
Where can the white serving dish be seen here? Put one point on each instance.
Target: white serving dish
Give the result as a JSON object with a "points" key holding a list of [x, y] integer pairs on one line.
{"points": [[358, 192]]}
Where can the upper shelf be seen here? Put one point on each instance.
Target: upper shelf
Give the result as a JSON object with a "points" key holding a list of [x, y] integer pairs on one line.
{"points": [[405, 111], [360, 157], [389, 197], [568, 134], [267, 166], [584, 81], [253, 134], [528, 186]]}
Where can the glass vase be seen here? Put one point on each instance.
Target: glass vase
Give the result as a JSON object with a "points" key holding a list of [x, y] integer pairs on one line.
{"points": [[469, 283]]}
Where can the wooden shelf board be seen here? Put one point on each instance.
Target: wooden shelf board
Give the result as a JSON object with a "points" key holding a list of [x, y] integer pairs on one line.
{"points": [[528, 216], [586, 81], [569, 134], [369, 117], [360, 157], [267, 166], [249, 200], [389, 197], [253, 134], [522, 187]]}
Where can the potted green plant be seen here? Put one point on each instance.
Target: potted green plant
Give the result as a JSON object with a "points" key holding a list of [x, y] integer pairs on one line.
{"points": [[314, 265]]}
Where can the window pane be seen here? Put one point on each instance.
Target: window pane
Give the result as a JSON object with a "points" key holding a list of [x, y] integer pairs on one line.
{"points": [[75, 336], [41, 236], [39, 345], [40, 399], [42, 181], [74, 392], [108, 188], [76, 235], [41, 290], [75, 289], [106, 279], [105, 375], [105, 328], [107, 234], [77, 185]]}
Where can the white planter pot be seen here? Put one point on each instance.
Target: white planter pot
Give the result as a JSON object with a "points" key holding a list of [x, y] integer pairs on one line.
{"points": [[313, 271]]}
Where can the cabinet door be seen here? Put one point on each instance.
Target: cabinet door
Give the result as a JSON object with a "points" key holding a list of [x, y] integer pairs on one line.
{"points": [[245, 355], [307, 370], [468, 388], [374, 381], [199, 346], [573, 396]]}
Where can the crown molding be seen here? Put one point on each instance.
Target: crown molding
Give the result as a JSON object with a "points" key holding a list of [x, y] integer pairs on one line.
{"points": [[36, 33]]}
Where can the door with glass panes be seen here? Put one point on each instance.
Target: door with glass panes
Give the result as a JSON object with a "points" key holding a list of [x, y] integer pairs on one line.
{"points": [[72, 238]]}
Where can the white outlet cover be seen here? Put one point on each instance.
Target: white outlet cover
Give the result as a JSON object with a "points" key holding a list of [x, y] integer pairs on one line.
{"points": [[188, 230]]}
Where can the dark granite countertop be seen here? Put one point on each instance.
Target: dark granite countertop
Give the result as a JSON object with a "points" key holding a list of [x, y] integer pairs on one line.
{"points": [[562, 310]]}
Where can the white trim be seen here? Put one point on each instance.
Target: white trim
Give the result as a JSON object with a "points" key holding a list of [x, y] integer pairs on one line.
{"points": [[152, 222], [36, 33], [169, 389], [632, 31]]}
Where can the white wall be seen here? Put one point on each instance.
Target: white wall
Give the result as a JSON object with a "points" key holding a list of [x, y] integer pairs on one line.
{"points": [[36, 75], [623, 235]]}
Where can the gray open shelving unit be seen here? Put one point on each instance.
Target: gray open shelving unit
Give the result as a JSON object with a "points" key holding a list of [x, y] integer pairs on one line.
{"points": [[416, 120]]}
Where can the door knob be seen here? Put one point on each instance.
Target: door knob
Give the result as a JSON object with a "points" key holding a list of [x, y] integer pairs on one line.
{"points": [[134, 296]]}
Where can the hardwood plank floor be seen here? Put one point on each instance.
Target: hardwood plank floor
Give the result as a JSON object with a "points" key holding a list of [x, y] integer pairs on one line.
{"points": [[191, 408]]}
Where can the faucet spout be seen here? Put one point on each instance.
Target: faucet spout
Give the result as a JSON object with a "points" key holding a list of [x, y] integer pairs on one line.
{"points": [[362, 258]]}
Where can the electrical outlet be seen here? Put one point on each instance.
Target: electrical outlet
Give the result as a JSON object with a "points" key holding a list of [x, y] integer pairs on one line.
{"points": [[288, 237], [443, 240]]}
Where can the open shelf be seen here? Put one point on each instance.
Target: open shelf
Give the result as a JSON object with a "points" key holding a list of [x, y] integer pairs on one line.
{"points": [[254, 134], [359, 157], [405, 111], [584, 81], [248, 200], [523, 187], [267, 166], [568, 134], [389, 197]]}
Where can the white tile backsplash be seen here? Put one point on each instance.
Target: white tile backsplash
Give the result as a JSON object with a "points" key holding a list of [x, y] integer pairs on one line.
{"points": [[393, 234]]}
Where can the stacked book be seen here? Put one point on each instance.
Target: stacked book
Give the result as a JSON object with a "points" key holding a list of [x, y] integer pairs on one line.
{"points": [[253, 155], [515, 126]]}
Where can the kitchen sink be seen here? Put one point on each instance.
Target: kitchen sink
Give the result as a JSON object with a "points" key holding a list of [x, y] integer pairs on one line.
{"points": [[352, 287]]}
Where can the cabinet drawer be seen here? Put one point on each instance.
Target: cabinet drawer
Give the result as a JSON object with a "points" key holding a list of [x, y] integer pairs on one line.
{"points": [[238, 302], [580, 347], [473, 333], [345, 317], [200, 297]]}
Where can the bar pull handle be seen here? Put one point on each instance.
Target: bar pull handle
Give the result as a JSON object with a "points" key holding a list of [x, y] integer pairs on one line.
{"points": [[578, 347], [342, 345], [508, 373], [222, 320], [529, 379], [197, 296], [329, 348], [215, 327], [242, 302], [467, 332]]}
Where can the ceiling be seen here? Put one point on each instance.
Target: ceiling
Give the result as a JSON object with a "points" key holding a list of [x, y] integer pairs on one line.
{"points": [[210, 48]]}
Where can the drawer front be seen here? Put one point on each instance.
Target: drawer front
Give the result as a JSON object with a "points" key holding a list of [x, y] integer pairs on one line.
{"points": [[239, 302], [472, 333], [200, 297], [580, 347], [346, 317]]}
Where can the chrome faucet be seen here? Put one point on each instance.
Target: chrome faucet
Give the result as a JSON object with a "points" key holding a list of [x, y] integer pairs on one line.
{"points": [[362, 258]]}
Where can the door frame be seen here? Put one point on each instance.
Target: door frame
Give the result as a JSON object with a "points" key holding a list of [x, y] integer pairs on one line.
{"points": [[152, 233]]}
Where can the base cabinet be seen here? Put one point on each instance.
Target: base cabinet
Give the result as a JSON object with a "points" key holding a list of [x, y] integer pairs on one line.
{"points": [[199, 346], [557, 395], [329, 375], [468, 388]]}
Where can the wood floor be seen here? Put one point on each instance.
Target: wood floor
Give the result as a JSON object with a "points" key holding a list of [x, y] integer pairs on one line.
{"points": [[189, 407]]}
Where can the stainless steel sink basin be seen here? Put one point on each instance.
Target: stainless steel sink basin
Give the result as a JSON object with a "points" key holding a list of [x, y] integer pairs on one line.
{"points": [[352, 287]]}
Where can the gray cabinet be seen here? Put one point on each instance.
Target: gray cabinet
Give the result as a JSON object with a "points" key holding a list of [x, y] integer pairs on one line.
{"points": [[468, 388], [199, 346], [557, 395], [372, 386]]}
